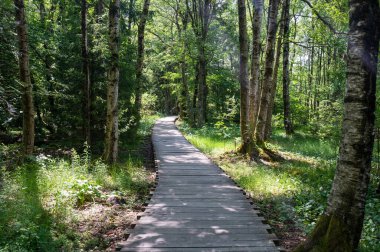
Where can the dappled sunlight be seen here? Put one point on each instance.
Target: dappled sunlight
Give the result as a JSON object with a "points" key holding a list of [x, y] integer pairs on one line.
{"points": [[304, 146], [262, 181], [212, 146]]}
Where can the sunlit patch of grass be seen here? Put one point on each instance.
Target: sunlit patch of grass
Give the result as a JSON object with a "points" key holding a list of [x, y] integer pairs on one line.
{"points": [[210, 140], [260, 181], [305, 145], [211, 145]]}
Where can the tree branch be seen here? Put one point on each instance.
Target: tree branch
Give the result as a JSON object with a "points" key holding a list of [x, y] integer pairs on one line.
{"points": [[323, 19]]}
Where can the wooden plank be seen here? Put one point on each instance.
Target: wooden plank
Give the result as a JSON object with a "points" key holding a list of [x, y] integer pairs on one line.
{"points": [[194, 180], [161, 239], [212, 249], [199, 195], [197, 217], [234, 200], [190, 209], [194, 223], [160, 243], [228, 205], [194, 169], [196, 173], [195, 214], [203, 187], [261, 229]]}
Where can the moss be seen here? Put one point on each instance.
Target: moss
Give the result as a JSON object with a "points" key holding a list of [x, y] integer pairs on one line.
{"points": [[249, 148], [330, 234]]}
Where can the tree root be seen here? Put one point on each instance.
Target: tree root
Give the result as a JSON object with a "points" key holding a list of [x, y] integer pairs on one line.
{"points": [[330, 234]]}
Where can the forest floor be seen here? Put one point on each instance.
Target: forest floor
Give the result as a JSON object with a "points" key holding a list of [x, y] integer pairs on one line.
{"points": [[291, 193], [74, 202]]}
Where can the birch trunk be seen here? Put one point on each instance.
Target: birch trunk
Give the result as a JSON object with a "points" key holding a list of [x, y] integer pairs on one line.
{"points": [[27, 93], [268, 72], [339, 229], [112, 130]]}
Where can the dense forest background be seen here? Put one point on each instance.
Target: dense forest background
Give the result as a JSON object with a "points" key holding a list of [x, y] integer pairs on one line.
{"points": [[100, 72], [317, 64]]}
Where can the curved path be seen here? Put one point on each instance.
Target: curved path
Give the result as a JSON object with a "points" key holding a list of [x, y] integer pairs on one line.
{"points": [[195, 206]]}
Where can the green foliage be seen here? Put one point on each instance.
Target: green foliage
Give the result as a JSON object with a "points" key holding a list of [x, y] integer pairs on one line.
{"points": [[371, 228], [38, 199], [328, 120], [84, 191], [25, 224]]}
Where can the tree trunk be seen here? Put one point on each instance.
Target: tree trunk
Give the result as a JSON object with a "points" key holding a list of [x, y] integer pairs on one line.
{"points": [[200, 15], [99, 9], [243, 78], [202, 88], [195, 95], [285, 71], [140, 59], [254, 94], [27, 94], [112, 130], [268, 72], [339, 229], [48, 66], [268, 124], [184, 101], [86, 75], [310, 80]]}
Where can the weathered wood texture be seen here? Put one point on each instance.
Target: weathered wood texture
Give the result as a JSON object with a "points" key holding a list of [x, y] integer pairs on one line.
{"points": [[195, 207]]}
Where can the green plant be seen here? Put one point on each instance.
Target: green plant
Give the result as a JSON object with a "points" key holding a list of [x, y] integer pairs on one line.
{"points": [[84, 191]]}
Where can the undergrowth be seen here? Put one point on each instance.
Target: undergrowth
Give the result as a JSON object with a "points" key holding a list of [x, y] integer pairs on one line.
{"points": [[292, 191], [39, 199]]}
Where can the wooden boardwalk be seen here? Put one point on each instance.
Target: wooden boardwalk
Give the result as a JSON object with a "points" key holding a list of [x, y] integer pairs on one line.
{"points": [[195, 206]]}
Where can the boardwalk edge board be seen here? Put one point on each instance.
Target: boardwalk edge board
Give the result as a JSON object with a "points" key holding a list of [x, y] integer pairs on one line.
{"points": [[167, 148]]}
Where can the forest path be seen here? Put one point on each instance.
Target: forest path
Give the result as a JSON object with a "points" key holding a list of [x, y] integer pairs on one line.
{"points": [[195, 207]]}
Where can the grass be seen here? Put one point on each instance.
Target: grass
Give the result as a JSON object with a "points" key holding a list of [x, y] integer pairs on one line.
{"points": [[46, 202], [291, 193]]}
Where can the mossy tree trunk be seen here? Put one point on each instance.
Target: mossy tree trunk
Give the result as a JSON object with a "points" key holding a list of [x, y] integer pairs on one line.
{"points": [[254, 93], [112, 127], [339, 229], [25, 79]]}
